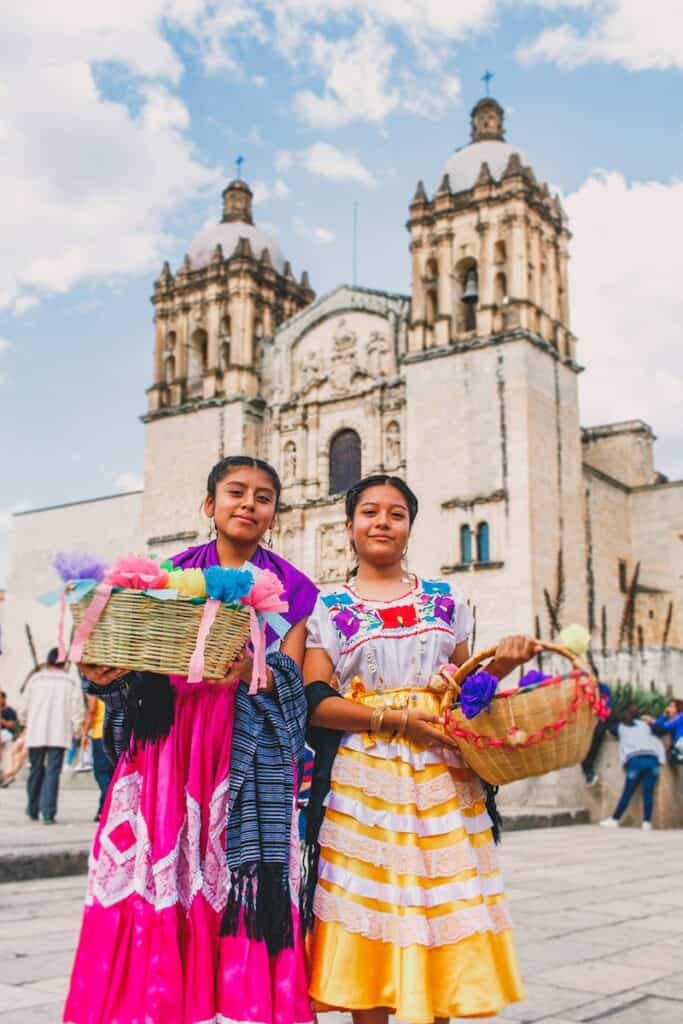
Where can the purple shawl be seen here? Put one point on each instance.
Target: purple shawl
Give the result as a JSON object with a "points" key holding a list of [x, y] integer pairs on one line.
{"points": [[300, 592]]}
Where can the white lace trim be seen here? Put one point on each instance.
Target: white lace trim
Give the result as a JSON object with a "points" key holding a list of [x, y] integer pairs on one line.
{"points": [[401, 750], [409, 860], [437, 825], [396, 789], [124, 864], [414, 929], [409, 895]]}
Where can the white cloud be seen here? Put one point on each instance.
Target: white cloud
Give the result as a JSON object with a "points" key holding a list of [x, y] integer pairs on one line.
{"points": [[129, 482], [322, 236], [5, 344], [92, 181], [627, 302], [263, 192], [363, 83], [328, 161], [633, 33], [283, 160]]}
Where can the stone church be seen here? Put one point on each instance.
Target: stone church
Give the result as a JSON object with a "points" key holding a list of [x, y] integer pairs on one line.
{"points": [[467, 387]]}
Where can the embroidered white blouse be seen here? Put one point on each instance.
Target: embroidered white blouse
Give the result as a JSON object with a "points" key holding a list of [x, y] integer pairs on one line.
{"points": [[390, 644]]}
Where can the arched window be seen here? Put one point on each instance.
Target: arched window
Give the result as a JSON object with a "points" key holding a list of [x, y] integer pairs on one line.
{"points": [[169, 370], [483, 548], [430, 305], [465, 545], [501, 289], [345, 467], [198, 356], [467, 276]]}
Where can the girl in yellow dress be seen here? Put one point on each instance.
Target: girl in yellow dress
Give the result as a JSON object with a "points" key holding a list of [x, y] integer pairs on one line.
{"points": [[410, 913]]}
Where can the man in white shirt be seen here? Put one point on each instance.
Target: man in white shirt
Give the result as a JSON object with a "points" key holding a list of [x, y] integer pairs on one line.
{"points": [[52, 709]]}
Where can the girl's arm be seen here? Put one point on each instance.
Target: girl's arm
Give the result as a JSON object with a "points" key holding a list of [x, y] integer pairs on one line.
{"points": [[347, 716]]}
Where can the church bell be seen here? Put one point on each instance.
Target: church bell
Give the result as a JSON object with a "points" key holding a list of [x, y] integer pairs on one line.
{"points": [[471, 292]]}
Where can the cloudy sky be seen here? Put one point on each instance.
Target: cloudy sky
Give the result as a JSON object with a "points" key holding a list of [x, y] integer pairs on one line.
{"points": [[120, 123]]}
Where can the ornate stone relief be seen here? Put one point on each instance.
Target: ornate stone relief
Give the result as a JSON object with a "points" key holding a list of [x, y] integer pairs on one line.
{"points": [[309, 372], [379, 355], [334, 556], [392, 446], [289, 462], [343, 358]]}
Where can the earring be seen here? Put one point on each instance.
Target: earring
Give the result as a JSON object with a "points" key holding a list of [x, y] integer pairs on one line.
{"points": [[212, 529], [269, 542]]}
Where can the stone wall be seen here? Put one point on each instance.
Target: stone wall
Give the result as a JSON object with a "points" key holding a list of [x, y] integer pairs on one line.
{"points": [[623, 451]]}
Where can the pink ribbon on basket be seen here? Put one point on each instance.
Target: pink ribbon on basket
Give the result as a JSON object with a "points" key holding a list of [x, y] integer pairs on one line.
{"points": [[61, 647], [265, 596], [195, 672], [89, 620]]}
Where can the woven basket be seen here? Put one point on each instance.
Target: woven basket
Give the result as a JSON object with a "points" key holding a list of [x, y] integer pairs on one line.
{"points": [[527, 731], [142, 633]]}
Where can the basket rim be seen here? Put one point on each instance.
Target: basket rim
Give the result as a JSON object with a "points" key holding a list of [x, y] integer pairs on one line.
{"points": [[575, 673], [182, 598]]}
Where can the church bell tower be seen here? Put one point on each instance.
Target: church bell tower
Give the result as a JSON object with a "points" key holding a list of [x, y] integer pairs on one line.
{"points": [[212, 319], [491, 374]]}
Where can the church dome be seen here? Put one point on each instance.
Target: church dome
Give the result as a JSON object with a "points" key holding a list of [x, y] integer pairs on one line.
{"points": [[488, 145], [228, 234], [237, 222], [464, 166]]}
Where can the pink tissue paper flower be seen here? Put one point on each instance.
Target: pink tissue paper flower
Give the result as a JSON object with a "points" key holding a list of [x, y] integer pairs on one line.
{"points": [[137, 573], [266, 594]]}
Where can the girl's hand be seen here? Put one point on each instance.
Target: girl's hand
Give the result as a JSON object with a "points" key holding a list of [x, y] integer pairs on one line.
{"points": [[513, 651], [241, 669], [102, 675], [422, 728]]}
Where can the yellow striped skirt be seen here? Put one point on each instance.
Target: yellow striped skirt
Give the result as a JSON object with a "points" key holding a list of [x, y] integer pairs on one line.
{"points": [[410, 909]]}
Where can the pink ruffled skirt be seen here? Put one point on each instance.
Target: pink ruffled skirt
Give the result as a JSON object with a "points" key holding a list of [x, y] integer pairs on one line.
{"points": [[150, 949]]}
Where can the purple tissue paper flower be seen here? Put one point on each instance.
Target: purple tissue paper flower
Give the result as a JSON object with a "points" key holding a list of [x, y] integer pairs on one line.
{"points": [[78, 565], [347, 623], [443, 607], [532, 677], [477, 693]]}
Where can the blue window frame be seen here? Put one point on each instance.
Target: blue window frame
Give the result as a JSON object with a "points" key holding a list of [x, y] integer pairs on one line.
{"points": [[465, 545], [483, 545]]}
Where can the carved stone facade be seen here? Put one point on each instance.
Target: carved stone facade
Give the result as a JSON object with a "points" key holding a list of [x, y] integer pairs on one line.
{"points": [[467, 388]]}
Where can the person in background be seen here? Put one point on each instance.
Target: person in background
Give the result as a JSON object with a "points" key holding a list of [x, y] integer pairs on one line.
{"points": [[642, 754], [51, 707], [9, 731], [9, 723], [93, 729], [670, 723], [602, 726]]}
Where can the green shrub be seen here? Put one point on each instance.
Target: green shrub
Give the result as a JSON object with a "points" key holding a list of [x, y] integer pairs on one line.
{"points": [[648, 702]]}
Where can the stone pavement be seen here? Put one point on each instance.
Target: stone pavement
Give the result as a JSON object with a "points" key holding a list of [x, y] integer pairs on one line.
{"points": [[598, 914]]}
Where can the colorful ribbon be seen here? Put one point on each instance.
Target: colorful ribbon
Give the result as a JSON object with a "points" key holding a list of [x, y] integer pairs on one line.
{"points": [[89, 621], [195, 672]]}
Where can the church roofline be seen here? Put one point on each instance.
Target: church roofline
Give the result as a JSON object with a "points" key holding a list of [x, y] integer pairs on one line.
{"points": [[72, 504], [315, 310]]}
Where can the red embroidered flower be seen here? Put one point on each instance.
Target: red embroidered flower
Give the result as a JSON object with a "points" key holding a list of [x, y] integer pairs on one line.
{"points": [[395, 618]]}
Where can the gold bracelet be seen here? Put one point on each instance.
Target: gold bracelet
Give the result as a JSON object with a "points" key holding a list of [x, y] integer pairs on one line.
{"points": [[376, 720], [405, 715]]}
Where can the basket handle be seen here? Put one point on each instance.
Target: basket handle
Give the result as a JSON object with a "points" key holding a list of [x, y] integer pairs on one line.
{"points": [[476, 659]]}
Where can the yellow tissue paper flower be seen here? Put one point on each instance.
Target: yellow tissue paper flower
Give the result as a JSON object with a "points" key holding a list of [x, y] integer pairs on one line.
{"points": [[576, 638], [188, 582]]}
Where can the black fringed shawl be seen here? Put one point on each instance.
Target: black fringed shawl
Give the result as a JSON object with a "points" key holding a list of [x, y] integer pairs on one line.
{"points": [[267, 754]]}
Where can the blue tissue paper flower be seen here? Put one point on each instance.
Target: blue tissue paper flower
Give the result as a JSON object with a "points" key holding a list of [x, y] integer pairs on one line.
{"points": [[477, 693], [228, 585]]}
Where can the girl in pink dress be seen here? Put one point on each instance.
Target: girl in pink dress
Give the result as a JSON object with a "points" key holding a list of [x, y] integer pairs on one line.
{"points": [[191, 909]]}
